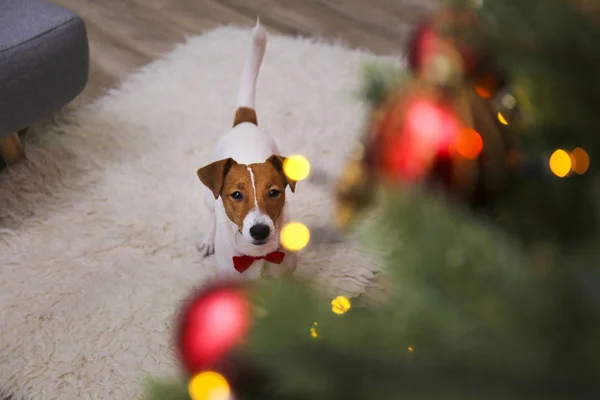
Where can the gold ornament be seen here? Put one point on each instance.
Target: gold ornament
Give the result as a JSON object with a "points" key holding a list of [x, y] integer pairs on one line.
{"points": [[353, 190]]}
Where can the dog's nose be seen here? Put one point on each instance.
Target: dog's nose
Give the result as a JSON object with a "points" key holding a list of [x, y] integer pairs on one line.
{"points": [[260, 232]]}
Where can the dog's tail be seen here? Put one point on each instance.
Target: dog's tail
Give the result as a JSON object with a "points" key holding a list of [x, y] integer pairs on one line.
{"points": [[246, 111]]}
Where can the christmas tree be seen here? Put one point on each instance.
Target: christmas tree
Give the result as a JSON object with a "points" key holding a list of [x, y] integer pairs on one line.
{"points": [[487, 218]]}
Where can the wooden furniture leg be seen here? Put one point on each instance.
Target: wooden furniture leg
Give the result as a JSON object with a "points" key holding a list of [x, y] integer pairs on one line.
{"points": [[11, 149]]}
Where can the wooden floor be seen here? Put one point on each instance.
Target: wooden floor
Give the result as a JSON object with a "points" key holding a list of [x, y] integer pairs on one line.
{"points": [[126, 34]]}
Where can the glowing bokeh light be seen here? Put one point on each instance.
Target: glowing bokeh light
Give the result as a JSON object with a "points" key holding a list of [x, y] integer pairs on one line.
{"points": [[211, 326], [485, 87], [296, 167], [313, 331], [560, 163], [410, 349], [294, 236], [580, 161], [482, 92], [428, 131], [425, 120], [509, 101], [340, 305], [468, 144], [431, 127], [501, 118], [209, 386]]}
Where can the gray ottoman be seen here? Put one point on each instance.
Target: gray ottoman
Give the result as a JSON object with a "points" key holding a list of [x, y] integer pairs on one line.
{"points": [[44, 64]]}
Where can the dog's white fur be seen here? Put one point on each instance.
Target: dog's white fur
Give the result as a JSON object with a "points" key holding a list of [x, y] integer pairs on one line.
{"points": [[246, 144]]}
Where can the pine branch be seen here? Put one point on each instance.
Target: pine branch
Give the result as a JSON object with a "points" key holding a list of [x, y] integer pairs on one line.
{"points": [[378, 80], [163, 390]]}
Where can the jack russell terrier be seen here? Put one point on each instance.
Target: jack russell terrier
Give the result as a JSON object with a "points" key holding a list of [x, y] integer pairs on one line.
{"points": [[245, 189]]}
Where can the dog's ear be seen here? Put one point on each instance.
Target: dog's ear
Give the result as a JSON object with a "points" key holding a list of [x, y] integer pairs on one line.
{"points": [[277, 162], [213, 175]]}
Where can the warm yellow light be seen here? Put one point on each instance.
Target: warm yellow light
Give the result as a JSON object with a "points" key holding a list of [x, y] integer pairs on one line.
{"points": [[501, 118], [294, 236], [410, 349], [580, 161], [313, 331], [560, 163], [209, 386], [296, 167], [340, 305], [483, 92], [468, 144]]}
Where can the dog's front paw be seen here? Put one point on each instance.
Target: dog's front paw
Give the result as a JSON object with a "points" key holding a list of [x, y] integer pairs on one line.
{"points": [[206, 248]]}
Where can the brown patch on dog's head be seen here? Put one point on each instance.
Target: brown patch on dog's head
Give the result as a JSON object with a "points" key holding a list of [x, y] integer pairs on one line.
{"points": [[213, 175], [270, 183], [238, 194], [242, 188], [231, 181]]}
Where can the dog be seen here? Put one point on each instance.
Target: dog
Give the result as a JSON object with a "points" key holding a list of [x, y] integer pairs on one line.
{"points": [[245, 189]]}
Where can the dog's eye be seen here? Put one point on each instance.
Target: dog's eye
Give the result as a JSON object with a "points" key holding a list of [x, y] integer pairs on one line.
{"points": [[274, 193], [237, 195]]}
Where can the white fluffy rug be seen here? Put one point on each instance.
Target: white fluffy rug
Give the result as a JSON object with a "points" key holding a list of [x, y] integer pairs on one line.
{"points": [[98, 229]]}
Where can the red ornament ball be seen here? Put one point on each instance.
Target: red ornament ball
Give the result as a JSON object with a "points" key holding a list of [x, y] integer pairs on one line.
{"points": [[427, 131], [211, 326]]}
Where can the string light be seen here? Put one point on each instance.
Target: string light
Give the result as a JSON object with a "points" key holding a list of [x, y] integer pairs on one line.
{"points": [[482, 92], [313, 331], [340, 305], [580, 161], [429, 129], [508, 101], [209, 385], [468, 144], [501, 118], [294, 236], [296, 167], [560, 163], [485, 87]]}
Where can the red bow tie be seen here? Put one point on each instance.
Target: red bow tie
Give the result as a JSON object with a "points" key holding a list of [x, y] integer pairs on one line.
{"points": [[242, 263]]}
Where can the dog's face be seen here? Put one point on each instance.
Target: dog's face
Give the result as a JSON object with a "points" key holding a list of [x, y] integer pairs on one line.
{"points": [[253, 196]]}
